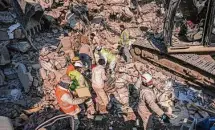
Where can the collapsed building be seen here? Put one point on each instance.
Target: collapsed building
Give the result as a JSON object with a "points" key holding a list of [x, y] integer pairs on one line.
{"points": [[35, 53]]}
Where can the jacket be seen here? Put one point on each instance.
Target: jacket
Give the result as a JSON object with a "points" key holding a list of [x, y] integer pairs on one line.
{"points": [[148, 100], [81, 80], [66, 102], [124, 38], [98, 76], [108, 55]]}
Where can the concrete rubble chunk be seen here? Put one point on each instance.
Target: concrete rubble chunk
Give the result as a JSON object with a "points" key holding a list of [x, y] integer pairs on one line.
{"points": [[2, 78], [4, 55], [36, 66], [4, 34], [35, 82], [25, 77], [66, 43], [6, 122], [43, 73], [128, 12], [20, 46], [6, 17], [18, 34], [115, 1], [10, 73]]}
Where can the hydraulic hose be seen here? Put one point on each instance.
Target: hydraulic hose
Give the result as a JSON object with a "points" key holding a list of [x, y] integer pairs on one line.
{"points": [[54, 119]]}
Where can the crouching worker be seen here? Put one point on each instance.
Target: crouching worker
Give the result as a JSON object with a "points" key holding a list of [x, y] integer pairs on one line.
{"points": [[147, 102], [76, 76], [68, 104]]}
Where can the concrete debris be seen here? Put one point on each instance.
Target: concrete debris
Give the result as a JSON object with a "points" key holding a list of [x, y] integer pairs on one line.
{"points": [[115, 2], [97, 23], [6, 122], [2, 78], [35, 82], [25, 77], [36, 66], [6, 17], [20, 46], [5, 56], [11, 30], [16, 94], [10, 73]]}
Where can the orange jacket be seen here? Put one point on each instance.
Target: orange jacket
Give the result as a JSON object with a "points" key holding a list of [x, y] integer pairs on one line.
{"points": [[65, 107]]}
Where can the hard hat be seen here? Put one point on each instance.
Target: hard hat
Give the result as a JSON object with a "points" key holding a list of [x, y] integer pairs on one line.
{"points": [[75, 58], [98, 48], [146, 78], [70, 68], [78, 64]]}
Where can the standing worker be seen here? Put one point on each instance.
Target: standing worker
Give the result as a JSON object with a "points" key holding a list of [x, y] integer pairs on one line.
{"points": [[125, 41], [147, 102], [98, 78], [85, 52], [68, 104]]}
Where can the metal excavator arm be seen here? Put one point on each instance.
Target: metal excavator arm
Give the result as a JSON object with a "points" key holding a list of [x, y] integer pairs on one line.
{"points": [[29, 14]]}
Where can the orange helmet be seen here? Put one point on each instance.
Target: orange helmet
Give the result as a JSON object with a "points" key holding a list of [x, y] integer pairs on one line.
{"points": [[70, 68]]}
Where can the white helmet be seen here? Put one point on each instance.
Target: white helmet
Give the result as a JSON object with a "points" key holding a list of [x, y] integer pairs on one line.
{"points": [[98, 48], [78, 64], [146, 78]]}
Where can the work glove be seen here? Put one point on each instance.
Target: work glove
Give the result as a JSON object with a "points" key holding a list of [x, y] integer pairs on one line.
{"points": [[165, 118]]}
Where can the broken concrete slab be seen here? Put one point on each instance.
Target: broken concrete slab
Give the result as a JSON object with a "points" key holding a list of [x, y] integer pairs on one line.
{"points": [[23, 46], [35, 82], [36, 66], [43, 73], [10, 73], [4, 34], [6, 123], [25, 77], [2, 78], [115, 2], [5, 56], [6, 17], [66, 43]]}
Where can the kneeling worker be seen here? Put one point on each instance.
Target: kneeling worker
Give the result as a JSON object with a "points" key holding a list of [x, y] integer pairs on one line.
{"points": [[65, 98]]}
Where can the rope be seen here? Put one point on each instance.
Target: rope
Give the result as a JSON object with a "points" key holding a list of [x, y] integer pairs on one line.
{"points": [[55, 118]]}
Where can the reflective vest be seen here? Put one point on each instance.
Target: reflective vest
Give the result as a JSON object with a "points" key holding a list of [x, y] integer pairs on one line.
{"points": [[79, 77], [65, 107], [124, 38], [107, 54]]}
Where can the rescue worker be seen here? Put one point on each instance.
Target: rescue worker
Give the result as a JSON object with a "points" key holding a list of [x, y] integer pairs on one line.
{"points": [[98, 83], [123, 79], [147, 102], [124, 42], [109, 58], [68, 104], [85, 52], [74, 74]]}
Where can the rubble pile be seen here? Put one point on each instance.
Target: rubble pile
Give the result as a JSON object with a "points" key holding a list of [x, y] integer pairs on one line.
{"points": [[28, 77]]}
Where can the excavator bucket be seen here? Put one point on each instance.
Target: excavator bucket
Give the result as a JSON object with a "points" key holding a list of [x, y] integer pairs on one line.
{"points": [[29, 15]]}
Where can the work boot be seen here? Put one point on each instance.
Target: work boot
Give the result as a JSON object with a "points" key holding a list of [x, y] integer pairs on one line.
{"points": [[102, 109]]}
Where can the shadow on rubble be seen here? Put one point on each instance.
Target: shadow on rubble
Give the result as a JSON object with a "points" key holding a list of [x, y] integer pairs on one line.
{"points": [[22, 92]]}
